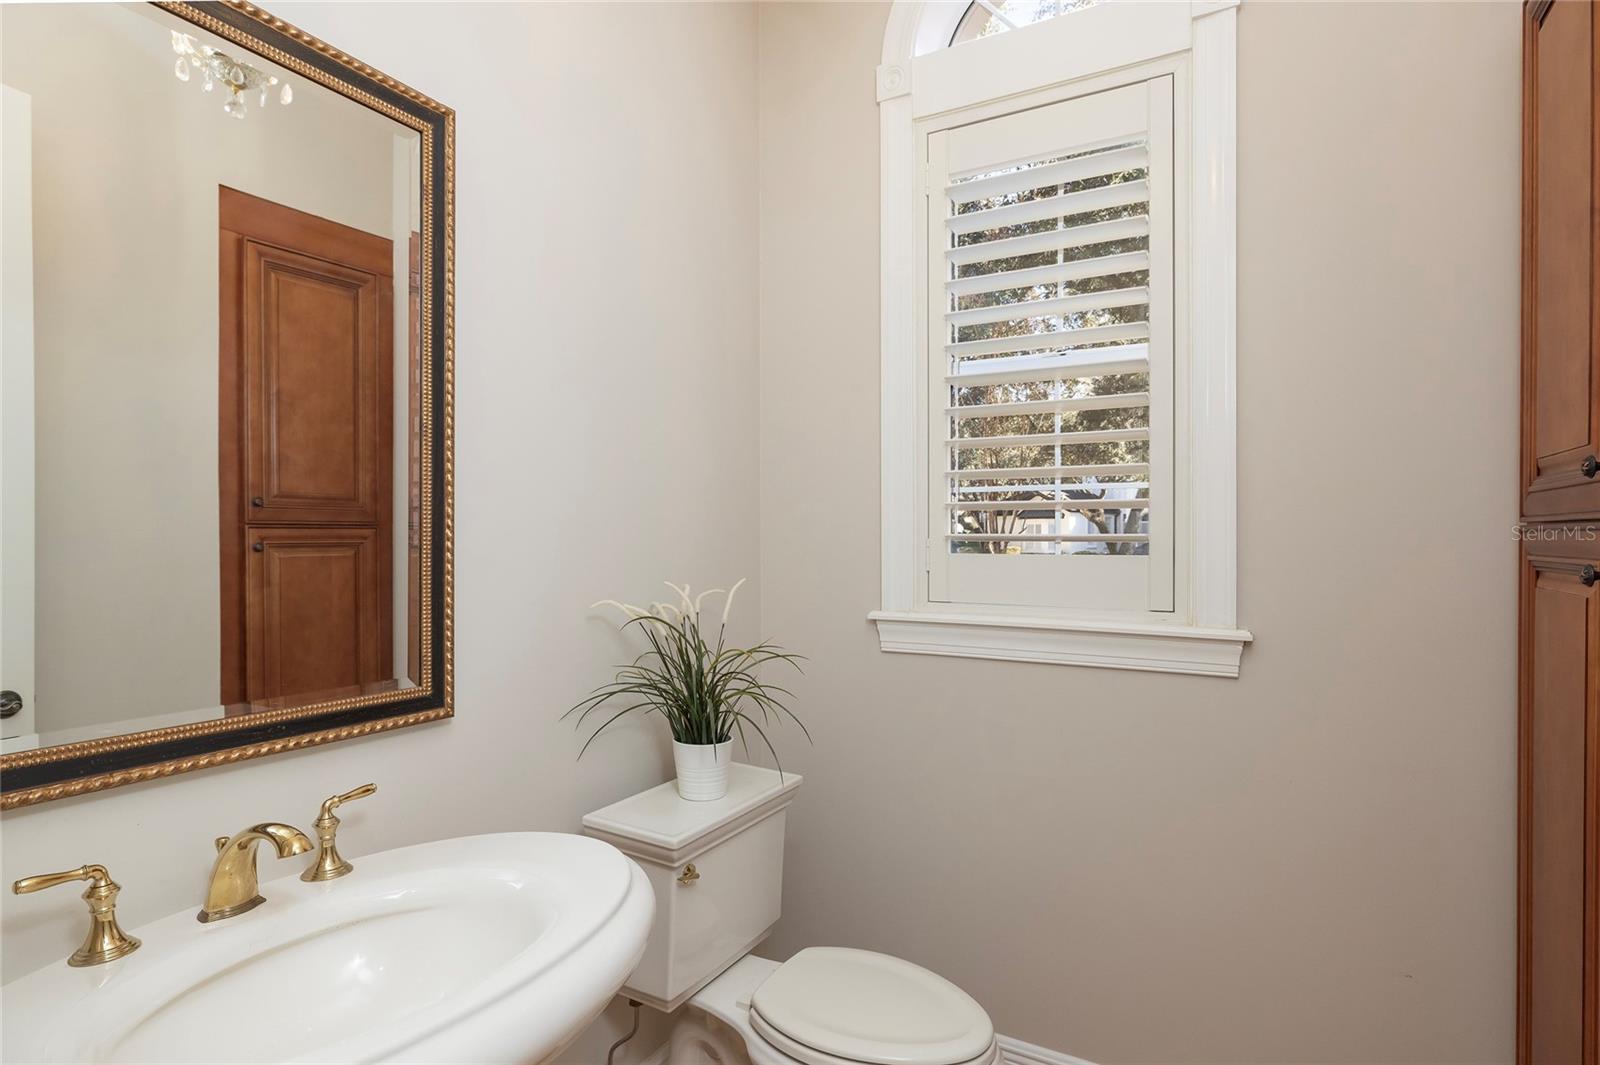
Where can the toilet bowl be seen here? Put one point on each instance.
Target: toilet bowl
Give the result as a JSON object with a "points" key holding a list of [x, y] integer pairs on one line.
{"points": [[832, 1006], [717, 872]]}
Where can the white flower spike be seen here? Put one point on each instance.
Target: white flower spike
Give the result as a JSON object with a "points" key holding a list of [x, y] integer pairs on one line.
{"points": [[627, 608], [727, 608], [683, 594]]}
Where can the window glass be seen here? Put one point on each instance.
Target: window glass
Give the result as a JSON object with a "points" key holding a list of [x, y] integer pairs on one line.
{"points": [[997, 16]]}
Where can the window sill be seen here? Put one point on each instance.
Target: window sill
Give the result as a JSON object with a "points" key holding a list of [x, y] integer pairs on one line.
{"points": [[1147, 646]]}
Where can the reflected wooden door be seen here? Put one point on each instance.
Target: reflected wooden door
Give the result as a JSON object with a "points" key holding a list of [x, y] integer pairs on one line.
{"points": [[305, 446]]}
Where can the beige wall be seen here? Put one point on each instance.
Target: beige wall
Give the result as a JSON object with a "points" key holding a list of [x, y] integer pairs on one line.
{"points": [[606, 384], [1313, 862], [126, 166]]}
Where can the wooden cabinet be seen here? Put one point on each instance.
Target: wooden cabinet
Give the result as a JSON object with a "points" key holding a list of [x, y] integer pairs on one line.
{"points": [[1561, 405], [1558, 939], [1559, 731]]}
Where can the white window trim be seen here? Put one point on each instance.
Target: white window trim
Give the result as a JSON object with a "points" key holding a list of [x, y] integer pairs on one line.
{"points": [[920, 78]]}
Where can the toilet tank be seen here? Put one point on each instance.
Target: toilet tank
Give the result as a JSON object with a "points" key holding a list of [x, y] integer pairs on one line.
{"points": [[717, 872]]}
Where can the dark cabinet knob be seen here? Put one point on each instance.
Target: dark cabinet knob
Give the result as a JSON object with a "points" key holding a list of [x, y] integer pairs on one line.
{"points": [[258, 546], [1588, 576], [10, 704], [1589, 466], [257, 501]]}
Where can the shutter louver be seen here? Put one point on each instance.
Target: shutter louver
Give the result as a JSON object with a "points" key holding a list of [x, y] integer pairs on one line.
{"points": [[1047, 333]]}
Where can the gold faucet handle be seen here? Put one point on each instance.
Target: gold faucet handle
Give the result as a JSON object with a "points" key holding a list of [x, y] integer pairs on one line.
{"points": [[330, 865], [30, 884], [105, 941], [336, 801]]}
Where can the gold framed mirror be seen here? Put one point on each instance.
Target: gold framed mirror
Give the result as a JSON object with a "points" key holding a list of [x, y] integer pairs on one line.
{"points": [[226, 489]]}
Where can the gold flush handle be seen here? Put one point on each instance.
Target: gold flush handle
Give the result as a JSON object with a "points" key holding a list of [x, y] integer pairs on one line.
{"points": [[105, 941], [329, 864], [689, 875]]}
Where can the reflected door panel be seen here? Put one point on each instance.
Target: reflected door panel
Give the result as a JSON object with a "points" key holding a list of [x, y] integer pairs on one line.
{"points": [[318, 611], [311, 378]]}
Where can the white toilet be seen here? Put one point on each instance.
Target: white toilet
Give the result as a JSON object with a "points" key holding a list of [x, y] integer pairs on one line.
{"points": [[717, 871]]}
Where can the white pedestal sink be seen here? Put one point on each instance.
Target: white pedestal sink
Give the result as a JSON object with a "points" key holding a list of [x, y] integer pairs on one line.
{"points": [[479, 949]]}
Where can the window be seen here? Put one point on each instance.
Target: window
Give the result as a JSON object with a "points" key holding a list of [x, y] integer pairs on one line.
{"points": [[984, 19], [1050, 355], [1058, 313]]}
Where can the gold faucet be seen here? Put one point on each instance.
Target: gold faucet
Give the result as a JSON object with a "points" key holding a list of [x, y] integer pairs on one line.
{"points": [[105, 941], [329, 865], [235, 887]]}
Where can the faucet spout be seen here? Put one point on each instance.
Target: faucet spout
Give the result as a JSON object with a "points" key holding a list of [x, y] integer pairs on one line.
{"points": [[234, 887], [287, 839]]}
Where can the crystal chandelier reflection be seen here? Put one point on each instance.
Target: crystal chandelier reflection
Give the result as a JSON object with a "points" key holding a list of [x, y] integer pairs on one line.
{"points": [[220, 68]]}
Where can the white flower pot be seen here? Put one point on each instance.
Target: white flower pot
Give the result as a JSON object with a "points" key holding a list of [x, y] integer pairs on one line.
{"points": [[702, 769]]}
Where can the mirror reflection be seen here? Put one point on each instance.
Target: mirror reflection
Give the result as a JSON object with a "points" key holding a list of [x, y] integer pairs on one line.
{"points": [[210, 398]]}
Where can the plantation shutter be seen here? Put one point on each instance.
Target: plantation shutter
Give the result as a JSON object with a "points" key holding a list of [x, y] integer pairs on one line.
{"points": [[1050, 253]]}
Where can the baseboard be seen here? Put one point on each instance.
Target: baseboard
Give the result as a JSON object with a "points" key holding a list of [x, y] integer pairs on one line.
{"points": [[1016, 1052]]}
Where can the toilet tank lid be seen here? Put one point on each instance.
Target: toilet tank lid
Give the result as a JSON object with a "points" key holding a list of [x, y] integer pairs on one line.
{"points": [[665, 822]]}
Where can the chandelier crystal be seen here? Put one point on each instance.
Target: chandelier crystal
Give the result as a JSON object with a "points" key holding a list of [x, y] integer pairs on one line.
{"points": [[219, 68]]}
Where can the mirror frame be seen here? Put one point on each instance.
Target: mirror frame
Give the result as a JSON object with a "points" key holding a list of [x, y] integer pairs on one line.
{"points": [[28, 777]]}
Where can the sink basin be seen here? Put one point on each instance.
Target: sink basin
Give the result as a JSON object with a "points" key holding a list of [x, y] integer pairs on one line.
{"points": [[482, 948]]}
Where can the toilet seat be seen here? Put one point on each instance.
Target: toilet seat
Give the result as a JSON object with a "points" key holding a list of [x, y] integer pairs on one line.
{"points": [[791, 1051], [841, 1006]]}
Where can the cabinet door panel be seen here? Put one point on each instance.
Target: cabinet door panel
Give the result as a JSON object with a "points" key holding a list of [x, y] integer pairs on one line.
{"points": [[1560, 643], [318, 610], [1561, 404]]}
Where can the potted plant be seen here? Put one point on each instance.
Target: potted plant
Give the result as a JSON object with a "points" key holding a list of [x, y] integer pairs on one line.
{"points": [[708, 692]]}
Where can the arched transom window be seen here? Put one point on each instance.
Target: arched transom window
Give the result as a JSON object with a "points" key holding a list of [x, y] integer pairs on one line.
{"points": [[985, 18]]}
